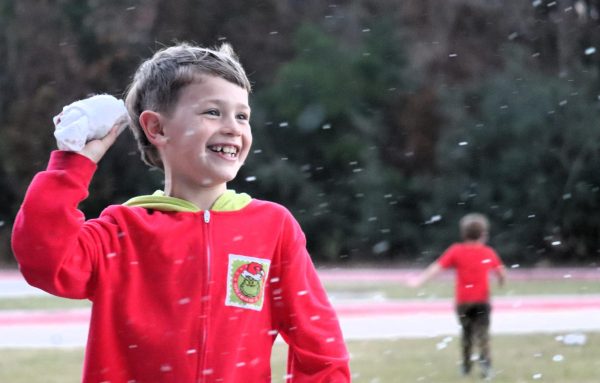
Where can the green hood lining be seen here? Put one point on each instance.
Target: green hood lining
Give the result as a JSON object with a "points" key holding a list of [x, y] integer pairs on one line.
{"points": [[228, 201]]}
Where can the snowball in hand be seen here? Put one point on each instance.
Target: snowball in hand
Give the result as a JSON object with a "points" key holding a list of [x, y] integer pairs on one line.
{"points": [[87, 120]]}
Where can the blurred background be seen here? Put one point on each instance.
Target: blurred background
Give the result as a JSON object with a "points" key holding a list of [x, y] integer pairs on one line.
{"points": [[378, 123]]}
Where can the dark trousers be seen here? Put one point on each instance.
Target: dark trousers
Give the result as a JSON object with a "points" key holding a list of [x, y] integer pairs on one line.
{"points": [[475, 321]]}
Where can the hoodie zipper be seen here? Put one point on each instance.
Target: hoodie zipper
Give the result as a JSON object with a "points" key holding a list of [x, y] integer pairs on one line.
{"points": [[205, 300]]}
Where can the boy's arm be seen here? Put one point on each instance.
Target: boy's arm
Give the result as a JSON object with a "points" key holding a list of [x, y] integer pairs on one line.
{"points": [[306, 320], [55, 248], [501, 274], [431, 271]]}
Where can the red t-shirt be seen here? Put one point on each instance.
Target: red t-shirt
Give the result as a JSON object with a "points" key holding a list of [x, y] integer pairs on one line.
{"points": [[472, 262]]}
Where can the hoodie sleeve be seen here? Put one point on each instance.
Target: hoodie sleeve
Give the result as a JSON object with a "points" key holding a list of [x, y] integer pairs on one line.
{"points": [[305, 317], [54, 246]]}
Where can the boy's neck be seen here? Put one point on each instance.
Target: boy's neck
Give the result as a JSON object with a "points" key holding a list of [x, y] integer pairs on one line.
{"points": [[203, 198], [480, 241]]}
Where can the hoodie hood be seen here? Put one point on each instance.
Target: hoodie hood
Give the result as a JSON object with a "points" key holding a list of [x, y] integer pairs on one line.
{"points": [[228, 201]]}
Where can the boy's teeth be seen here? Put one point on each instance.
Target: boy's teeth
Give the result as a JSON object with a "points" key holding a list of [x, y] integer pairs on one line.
{"points": [[224, 149]]}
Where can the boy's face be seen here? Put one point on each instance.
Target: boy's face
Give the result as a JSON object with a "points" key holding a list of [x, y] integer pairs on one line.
{"points": [[208, 133]]}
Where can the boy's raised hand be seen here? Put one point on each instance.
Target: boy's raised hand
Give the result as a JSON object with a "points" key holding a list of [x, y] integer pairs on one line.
{"points": [[95, 149], [413, 282], [90, 126]]}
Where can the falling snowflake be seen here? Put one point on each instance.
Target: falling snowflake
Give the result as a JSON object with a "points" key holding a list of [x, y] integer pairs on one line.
{"points": [[558, 358]]}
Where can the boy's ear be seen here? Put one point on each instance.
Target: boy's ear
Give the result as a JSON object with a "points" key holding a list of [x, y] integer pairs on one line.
{"points": [[153, 128]]}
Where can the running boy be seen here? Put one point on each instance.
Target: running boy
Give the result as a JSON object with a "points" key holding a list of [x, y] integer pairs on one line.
{"points": [[193, 283], [472, 260]]}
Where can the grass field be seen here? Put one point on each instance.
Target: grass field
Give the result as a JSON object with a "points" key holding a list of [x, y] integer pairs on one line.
{"points": [[517, 359], [445, 289]]}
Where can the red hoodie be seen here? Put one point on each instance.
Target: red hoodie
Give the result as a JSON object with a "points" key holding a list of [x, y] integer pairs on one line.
{"points": [[179, 296]]}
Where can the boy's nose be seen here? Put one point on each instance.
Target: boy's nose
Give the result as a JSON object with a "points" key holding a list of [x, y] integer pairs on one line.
{"points": [[231, 126]]}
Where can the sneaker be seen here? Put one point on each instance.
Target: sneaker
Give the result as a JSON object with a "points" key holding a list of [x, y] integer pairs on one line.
{"points": [[465, 369], [486, 371]]}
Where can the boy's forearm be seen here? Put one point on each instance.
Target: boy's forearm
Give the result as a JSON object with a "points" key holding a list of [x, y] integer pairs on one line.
{"points": [[430, 272], [306, 319], [317, 348], [47, 225], [501, 275]]}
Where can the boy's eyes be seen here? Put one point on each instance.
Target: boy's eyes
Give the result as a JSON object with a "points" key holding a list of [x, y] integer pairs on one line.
{"points": [[216, 113]]}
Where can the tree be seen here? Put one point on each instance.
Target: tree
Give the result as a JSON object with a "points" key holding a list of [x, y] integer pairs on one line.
{"points": [[525, 151], [319, 129]]}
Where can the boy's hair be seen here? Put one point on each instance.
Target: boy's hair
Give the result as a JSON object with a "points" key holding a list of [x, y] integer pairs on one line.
{"points": [[158, 81], [473, 226]]}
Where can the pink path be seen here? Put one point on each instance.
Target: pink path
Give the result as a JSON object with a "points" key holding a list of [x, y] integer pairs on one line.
{"points": [[345, 309]]}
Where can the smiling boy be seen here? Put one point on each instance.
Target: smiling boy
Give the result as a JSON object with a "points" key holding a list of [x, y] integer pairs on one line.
{"points": [[203, 141], [193, 283]]}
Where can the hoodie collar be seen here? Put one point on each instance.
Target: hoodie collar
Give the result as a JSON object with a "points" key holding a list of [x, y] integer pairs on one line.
{"points": [[228, 201]]}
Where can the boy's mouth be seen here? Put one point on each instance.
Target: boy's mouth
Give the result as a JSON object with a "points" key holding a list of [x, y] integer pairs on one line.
{"points": [[226, 150]]}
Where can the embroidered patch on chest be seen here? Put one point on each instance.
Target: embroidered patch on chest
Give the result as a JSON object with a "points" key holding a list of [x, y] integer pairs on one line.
{"points": [[246, 277]]}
